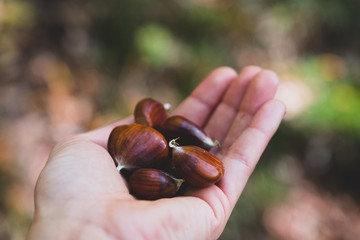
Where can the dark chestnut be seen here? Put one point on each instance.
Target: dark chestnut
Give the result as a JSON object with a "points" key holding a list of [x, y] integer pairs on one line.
{"points": [[197, 167], [152, 184], [150, 112], [137, 145], [187, 132]]}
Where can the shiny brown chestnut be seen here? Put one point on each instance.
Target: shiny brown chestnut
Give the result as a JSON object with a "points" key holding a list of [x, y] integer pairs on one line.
{"points": [[150, 112], [188, 133], [137, 145], [152, 184], [198, 167]]}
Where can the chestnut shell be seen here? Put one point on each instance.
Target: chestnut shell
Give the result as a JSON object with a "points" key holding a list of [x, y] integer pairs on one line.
{"points": [[137, 145], [151, 184], [150, 112], [197, 167], [186, 132]]}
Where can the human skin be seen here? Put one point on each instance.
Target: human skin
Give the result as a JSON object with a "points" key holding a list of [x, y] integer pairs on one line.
{"points": [[80, 195]]}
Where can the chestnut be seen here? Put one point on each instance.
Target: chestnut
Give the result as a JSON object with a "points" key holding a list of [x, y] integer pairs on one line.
{"points": [[137, 145], [150, 112], [197, 167], [149, 163], [187, 132], [152, 184]]}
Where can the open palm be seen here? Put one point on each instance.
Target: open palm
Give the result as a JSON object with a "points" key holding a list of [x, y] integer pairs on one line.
{"points": [[80, 194]]}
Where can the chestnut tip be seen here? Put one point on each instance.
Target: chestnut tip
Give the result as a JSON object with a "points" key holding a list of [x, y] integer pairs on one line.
{"points": [[173, 143], [167, 106]]}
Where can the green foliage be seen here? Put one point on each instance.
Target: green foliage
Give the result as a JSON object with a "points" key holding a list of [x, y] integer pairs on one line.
{"points": [[336, 103], [18, 14], [157, 45], [337, 108]]}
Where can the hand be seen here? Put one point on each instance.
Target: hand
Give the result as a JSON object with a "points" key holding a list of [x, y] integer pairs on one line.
{"points": [[80, 194]]}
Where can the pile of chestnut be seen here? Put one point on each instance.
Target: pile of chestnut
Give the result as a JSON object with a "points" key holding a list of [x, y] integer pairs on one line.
{"points": [[159, 153]]}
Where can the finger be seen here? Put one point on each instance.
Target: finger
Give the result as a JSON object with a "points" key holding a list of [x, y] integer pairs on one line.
{"points": [[244, 154], [260, 90], [199, 105], [226, 111], [100, 135]]}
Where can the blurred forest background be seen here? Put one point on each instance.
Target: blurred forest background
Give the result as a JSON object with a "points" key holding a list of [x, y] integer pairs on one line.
{"points": [[68, 66]]}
